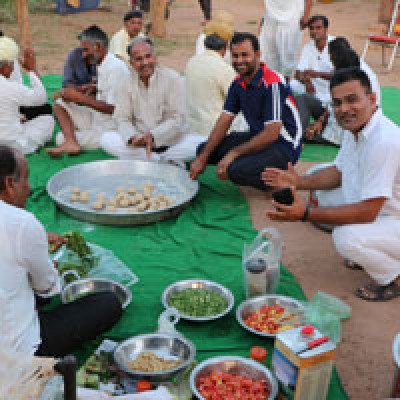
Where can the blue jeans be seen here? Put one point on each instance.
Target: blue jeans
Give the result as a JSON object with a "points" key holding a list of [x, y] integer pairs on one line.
{"points": [[246, 170]]}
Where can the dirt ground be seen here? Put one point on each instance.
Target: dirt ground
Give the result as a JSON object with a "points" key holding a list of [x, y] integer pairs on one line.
{"points": [[364, 357]]}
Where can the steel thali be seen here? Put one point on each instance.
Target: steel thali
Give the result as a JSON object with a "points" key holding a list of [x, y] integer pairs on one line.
{"points": [[105, 176]]}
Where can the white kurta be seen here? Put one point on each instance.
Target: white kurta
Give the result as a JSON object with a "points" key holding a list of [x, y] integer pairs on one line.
{"points": [[158, 109], [280, 36], [370, 169], [29, 136], [119, 44], [201, 48], [91, 124], [25, 269]]}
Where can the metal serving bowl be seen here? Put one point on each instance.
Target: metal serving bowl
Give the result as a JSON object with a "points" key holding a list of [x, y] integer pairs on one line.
{"points": [[233, 365], [163, 345], [83, 287], [199, 284], [251, 305]]}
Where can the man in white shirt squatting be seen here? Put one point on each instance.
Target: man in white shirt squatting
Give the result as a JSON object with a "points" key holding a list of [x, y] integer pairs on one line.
{"points": [[280, 36], [26, 136], [150, 112], [360, 193], [133, 25], [82, 117], [26, 270]]}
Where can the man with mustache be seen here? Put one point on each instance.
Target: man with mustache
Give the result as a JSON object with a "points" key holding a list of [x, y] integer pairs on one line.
{"points": [[274, 136], [150, 112], [359, 195], [83, 117]]}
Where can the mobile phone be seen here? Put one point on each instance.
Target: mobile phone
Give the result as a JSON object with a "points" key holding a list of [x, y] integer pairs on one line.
{"points": [[283, 196]]}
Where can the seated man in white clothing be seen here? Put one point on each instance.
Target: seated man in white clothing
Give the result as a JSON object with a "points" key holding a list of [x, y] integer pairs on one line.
{"points": [[26, 271], [313, 72], [150, 112], [82, 117], [16, 131], [360, 193], [342, 56], [208, 78], [133, 25]]}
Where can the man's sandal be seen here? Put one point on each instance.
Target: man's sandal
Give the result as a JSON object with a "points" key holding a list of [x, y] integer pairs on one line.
{"points": [[352, 265], [373, 292]]}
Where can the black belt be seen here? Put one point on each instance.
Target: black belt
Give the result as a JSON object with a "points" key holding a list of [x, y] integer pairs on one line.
{"points": [[160, 149]]}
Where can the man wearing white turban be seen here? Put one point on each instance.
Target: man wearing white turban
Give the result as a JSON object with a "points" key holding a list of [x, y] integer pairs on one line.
{"points": [[26, 136], [280, 36]]}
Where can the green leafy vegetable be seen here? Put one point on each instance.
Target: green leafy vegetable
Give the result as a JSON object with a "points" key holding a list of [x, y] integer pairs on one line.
{"points": [[198, 302]]}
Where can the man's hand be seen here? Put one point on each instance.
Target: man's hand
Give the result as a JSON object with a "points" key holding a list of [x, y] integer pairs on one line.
{"points": [[144, 140], [314, 129], [197, 167], [72, 95], [55, 241], [294, 212], [29, 60], [309, 86], [304, 22], [223, 165], [279, 178]]}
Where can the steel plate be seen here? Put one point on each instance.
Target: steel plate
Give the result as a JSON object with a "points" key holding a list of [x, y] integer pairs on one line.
{"points": [[105, 176]]}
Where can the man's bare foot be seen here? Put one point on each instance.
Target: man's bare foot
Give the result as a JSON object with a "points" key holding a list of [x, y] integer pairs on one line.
{"points": [[65, 148]]}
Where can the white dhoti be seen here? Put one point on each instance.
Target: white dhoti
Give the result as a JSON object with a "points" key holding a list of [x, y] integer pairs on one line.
{"points": [[374, 246], [34, 134], [280, 36], [183, 150], [89, 125]]}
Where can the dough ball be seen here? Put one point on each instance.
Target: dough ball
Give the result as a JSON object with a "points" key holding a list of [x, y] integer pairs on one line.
{"points": [[111, 208], [100, 196], [132, 190], [112, 203], [84, 197], [74, 197], [123, 203], [76, 190], [98, 205], [139, 197], [163, 204], [143, 206]]}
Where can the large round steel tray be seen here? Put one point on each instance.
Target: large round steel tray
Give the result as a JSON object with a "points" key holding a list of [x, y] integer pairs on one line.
{"points": [[105, 176]]}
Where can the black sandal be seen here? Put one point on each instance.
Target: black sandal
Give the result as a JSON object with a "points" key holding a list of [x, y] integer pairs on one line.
{"points": [[352, 265], [373, 292]]}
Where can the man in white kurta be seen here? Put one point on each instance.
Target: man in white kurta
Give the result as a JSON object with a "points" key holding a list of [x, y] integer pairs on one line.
{"points": [[133, 25], [150, 112], [25, 136], [208, 78], [360, 194], [280, 36], [84, 118]]}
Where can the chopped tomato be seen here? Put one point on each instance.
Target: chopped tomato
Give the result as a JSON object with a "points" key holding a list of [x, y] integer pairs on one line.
{"points": [[225, 386], [143, 386]]}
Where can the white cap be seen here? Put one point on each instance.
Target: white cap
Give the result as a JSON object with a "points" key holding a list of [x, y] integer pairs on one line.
{"points": [[8, 49]]}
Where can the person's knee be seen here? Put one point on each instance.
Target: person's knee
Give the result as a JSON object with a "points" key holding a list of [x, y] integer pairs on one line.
{"points": [[110, 306], [347, 240]]}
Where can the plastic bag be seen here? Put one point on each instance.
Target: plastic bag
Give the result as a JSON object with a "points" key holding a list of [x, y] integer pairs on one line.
{"points": [[103, 264], [325, 312], [261, 261]]}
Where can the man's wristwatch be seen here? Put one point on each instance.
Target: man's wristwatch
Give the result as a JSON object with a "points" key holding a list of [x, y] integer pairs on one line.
{"points": [[306, 213]]}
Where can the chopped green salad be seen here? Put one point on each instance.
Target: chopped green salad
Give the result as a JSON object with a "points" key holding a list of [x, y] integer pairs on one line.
{"points": [[198, 302]]}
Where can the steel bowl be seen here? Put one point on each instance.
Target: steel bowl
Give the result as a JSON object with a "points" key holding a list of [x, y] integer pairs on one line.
{"points": [[251, 305], [199, 284], [82, 287], [163, 345], [104, 176], [233, 365]]}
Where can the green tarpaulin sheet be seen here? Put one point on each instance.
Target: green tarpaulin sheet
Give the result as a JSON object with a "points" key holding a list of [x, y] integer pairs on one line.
{"points": [[204, 241]]}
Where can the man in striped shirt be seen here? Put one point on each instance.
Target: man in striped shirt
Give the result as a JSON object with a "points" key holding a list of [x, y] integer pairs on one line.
{"points": [[275, 134]]}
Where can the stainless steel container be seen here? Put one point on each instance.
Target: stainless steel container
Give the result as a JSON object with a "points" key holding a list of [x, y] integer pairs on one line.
{"points": [[105, 176], [163, 345], [233, 365]]}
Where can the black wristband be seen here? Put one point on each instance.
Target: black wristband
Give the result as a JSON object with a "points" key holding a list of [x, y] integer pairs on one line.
{"points": [[306, 213]]}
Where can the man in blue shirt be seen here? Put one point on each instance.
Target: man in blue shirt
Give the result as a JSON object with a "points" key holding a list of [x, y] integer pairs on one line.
{"points": [[78, 70], [275, 134]]}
